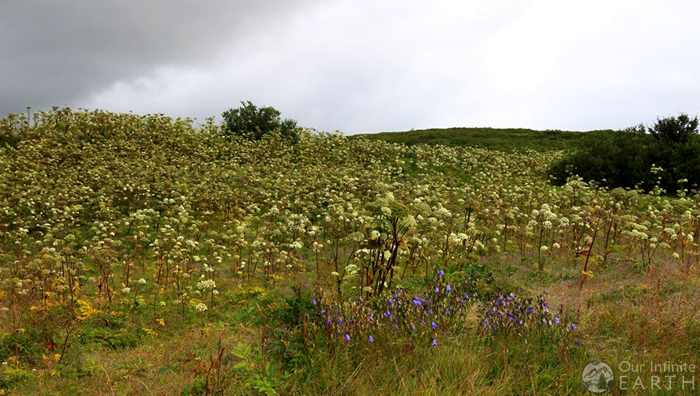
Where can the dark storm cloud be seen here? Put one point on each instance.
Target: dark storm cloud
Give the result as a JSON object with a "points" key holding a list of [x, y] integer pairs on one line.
{"points": [[54, 52]]}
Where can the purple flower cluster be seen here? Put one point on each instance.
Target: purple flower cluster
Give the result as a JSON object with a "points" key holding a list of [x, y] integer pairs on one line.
{"points": [[396, 314], [518, 314]]}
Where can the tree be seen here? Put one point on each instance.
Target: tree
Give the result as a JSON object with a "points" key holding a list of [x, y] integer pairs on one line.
{"points": [[253, 123], [658, 156], [674, 129]]}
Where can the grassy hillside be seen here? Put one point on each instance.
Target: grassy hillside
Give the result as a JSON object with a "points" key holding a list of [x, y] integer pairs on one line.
{"points": [[140, 255], [492, 138]]}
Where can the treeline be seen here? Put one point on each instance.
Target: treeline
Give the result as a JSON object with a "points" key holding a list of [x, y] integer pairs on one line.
{"points": [[664, 157]]}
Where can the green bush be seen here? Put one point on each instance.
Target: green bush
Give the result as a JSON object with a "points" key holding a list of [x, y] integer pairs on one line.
{"points": [[253, 123], [666, 155]]}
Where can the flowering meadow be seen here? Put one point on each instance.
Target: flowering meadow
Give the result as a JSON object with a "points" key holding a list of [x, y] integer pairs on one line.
{"points": [[144, 255]]}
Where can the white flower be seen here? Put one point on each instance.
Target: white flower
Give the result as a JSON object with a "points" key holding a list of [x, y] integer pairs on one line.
{"points": [[142, 281], [201, 307], [126, 290], [206, 284]]}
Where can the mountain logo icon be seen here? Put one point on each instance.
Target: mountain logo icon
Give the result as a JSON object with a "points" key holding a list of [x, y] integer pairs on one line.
{"points": [[597, 377]]}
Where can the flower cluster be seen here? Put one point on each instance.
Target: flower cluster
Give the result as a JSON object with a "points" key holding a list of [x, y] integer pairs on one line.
{"points": [[518, 314], [397, 313]]}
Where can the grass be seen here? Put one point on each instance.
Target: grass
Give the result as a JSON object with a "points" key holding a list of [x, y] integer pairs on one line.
{"points": [[133, 322], [505, 139], [624, 316]]}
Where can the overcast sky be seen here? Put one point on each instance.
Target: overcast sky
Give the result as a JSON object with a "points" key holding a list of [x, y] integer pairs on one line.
{"points": [[359, 66]]}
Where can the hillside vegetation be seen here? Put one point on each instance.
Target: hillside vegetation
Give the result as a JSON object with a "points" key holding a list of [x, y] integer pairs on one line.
{"points": [[140, 255], [492, 138]]}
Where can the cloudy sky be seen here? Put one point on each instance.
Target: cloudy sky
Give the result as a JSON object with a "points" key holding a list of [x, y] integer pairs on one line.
{"points": [[359, 66]]}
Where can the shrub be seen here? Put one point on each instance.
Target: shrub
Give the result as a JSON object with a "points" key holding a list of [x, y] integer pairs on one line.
{"points": [[667, 157], [253, 123]]}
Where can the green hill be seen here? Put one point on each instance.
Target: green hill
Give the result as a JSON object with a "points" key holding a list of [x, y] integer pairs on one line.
{"points": [[492, 138]]}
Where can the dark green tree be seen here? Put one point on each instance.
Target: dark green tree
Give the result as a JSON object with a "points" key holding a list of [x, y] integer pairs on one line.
{"points": [[253, 123], [626, 158], [674, 129]]}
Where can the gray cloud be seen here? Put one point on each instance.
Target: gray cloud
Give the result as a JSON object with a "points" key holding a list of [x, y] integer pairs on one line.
{"points": [[359, 65], [55, 52]]}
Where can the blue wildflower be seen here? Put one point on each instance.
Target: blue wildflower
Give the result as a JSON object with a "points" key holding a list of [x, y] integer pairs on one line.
{"points": [[371, 339], [448, 288], [434, 342], [440, 273], [434, 325], [313, 302], [347, 337]]}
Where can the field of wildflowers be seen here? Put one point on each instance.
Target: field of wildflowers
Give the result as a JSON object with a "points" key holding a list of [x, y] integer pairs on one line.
{"points": [[145, 255]]}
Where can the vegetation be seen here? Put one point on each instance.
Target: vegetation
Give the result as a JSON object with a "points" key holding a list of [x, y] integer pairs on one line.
{"points": [[665, 156], [491, 138], [143, 255], [254, 123]]}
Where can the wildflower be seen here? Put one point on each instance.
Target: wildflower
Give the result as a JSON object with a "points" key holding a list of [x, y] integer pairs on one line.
{"points": [[440, 273], [413, 327], [417, 301], [371, 339], [448, 288], [556, 320], [201, 307], [387, 314], [313, 302], [347, 337], [437, 289], [573, 327], [126, 290], [579, 343], [434, 325], [434, 342], [142, 281]]}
